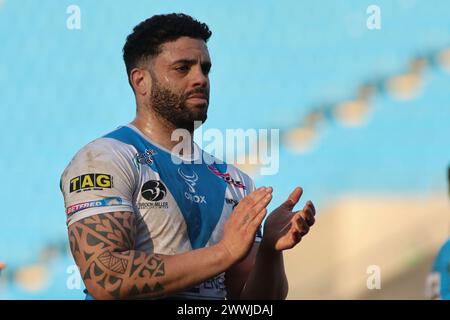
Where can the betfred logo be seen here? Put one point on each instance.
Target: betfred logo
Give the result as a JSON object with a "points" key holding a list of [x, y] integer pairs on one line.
{"points": [[227, 178], [112, 201], [90, 181]]}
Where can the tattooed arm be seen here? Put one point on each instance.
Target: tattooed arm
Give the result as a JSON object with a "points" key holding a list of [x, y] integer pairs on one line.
{"points": [[103, 248]]}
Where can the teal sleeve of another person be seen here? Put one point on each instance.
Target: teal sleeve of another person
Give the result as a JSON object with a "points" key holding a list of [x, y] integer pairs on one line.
{"points": [[441, 272]]}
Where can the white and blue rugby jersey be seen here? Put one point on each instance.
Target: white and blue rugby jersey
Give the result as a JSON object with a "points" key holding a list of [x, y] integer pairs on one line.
{"points": [[180, 205]]}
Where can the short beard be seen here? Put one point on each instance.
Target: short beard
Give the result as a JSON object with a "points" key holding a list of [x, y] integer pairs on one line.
{"points": [[172, 107]]}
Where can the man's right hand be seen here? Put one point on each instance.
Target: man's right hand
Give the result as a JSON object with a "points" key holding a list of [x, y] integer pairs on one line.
{"points": [[240, 229]]}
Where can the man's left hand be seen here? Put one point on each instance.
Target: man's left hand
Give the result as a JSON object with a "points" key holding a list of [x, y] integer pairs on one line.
{"points": [[285, 228]]}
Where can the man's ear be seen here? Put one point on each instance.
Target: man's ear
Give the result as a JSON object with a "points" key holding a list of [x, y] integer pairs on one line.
{"points": [[141, 81]]}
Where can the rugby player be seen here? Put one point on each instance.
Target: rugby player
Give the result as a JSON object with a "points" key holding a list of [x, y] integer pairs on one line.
{"points": [[142, 225]]}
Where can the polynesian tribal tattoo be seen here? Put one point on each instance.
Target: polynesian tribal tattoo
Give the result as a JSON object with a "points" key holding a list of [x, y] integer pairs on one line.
{"points": [[102, 246]]}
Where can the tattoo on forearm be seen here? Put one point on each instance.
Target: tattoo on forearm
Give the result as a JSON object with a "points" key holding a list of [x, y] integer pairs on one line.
{"points": [[103, 246], [113, 263]]}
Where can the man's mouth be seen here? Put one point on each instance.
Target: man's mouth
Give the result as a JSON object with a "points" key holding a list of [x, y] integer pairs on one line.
{"points": [[198, 98]]}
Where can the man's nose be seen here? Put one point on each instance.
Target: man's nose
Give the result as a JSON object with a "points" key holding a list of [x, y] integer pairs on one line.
{"points": [[199, 78]]}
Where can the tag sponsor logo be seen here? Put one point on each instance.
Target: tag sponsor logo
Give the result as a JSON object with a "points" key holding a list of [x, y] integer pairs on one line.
{"points": [[91, 181]]}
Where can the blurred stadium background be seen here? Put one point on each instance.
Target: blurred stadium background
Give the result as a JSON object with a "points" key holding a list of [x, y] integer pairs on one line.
{"points": [[364, 116]]}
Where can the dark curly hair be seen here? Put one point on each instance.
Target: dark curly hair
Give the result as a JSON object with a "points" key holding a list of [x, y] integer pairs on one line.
{"points": [[147, 36]]}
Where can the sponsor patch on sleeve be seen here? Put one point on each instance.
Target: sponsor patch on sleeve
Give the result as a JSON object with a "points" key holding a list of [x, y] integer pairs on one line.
{"points": [[91, 181], [113, 201]]}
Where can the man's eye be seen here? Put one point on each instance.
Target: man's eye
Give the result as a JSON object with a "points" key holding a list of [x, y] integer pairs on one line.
{"points": [[183, 68], [206, 70]]}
